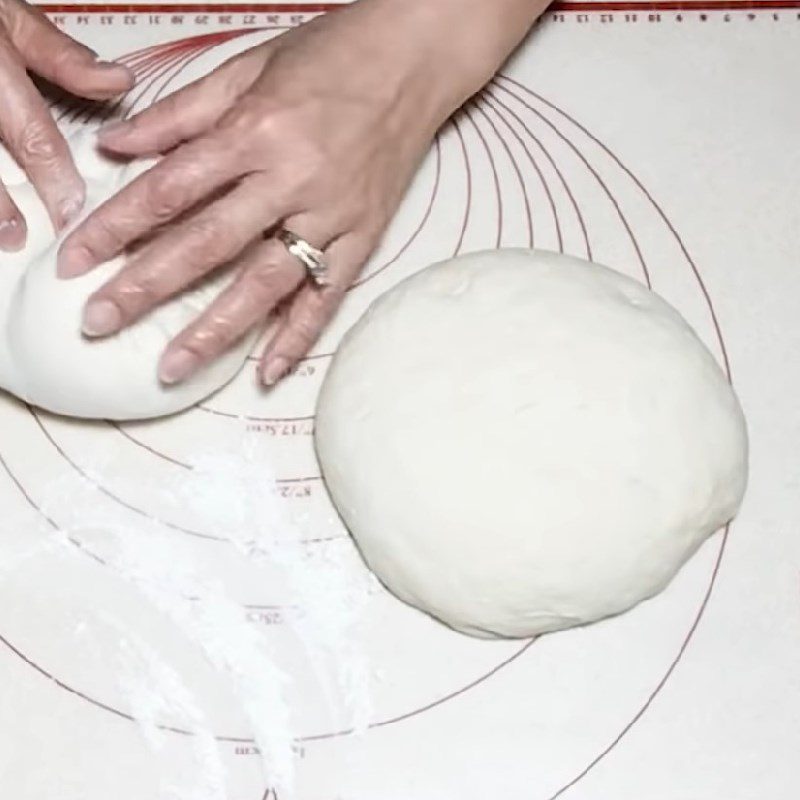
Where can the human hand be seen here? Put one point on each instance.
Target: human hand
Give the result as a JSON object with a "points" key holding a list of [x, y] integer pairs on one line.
{"points": [[28, 41], [296, 134]]}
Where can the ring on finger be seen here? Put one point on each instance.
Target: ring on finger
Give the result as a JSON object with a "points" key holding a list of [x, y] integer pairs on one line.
{"points": [[312, 258]]}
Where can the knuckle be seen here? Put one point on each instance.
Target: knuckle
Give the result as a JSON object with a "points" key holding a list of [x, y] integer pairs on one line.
{"points": [[139, 292], [252, 113], [63, 64], [269, 280], [305, 328], [262, 127], [213, 336], [205, 229], [37, 142], [252, 125], [168, 193], [206, 240], [101, 237], [267, 126], [262, 280]]}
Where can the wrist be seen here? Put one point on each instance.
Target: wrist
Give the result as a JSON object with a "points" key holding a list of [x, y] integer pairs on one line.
{"points": [[452, 47]]}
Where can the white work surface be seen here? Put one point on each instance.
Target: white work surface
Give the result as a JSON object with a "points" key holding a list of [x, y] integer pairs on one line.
{"points": [[144, 656]]}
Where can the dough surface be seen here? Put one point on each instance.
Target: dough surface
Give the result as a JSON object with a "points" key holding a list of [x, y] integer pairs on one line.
{"points": [[521, 442], [45, 360]]}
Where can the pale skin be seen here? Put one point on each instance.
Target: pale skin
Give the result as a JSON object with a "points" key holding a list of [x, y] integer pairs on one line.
{"points": [[29, 43], [319, 131]]}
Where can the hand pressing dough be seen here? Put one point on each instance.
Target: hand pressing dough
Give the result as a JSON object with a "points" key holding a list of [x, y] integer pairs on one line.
{"points": [[521, 442], [45, 360]]}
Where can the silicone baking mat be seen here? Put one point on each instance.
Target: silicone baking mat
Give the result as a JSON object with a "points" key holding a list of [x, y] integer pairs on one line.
{"points": [[150, 647]]}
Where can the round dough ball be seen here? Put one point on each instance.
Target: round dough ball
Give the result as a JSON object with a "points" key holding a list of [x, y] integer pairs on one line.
{"points": [[521, 442], [44, 358]]}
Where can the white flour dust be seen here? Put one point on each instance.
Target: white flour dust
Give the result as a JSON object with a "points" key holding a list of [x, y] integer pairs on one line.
{"points": [[234, 494], [155, 690], [237, 491]]}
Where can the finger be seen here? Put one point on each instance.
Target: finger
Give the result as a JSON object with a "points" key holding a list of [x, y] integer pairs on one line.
{"points": [[174, 185], [33, 139], [13, 230], [177, 259], [314, 306], [268, 273], [265, 277], [188, 112], [53, 55]]}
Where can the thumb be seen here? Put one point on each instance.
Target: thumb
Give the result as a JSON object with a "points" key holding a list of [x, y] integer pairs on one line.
{"points": [[51, 54]]}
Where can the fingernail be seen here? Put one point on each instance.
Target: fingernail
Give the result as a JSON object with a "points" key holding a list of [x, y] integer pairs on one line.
{"points": [[274, 370], [69, 211], [111, 65], [101, 318], [12, 235], [73, 261], [177, 366]]}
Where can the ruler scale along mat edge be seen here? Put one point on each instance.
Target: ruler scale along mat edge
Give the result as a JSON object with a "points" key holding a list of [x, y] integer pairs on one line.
{"points": [[315, 8]]}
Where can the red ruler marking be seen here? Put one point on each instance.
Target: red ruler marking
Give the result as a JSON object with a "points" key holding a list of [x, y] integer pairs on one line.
{"points": [[174, 8], [676, 5], [315, 8]]}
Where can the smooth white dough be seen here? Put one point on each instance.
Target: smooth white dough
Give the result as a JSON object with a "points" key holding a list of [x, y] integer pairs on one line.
{"points": [[521, 442], [45, 360]]}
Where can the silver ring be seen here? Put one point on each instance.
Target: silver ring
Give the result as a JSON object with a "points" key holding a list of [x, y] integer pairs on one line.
{"points": [[308, 255]]}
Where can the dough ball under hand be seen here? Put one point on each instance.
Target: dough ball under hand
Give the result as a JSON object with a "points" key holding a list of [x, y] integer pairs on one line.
{"points": [[44, 358], [521, 442]]}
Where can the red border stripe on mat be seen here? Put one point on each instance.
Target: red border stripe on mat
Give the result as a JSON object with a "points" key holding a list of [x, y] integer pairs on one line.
{"points": [[314, 8]]}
